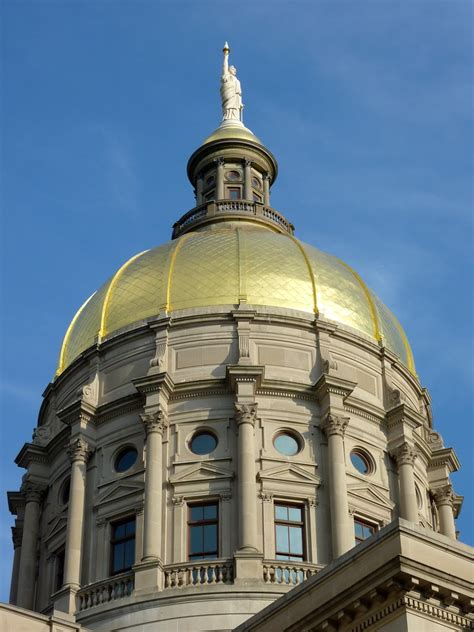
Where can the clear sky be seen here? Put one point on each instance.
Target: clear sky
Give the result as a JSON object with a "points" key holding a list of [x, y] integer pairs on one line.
{"points": [[366, 105]]}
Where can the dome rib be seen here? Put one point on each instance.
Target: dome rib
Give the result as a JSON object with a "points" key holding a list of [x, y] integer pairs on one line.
{"points": [[108, 296], [171, 265], [310, 272], [62, 353], [373, 310], [242, 261]]}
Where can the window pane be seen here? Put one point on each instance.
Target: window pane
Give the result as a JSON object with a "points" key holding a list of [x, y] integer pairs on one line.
{"points": [[129, 554], [196, 540], [294, 514], [359, 463], [282, 543], [286, 444], [119, 531], [196, 513], [210, 537], [359, 530], [296, 540], [117, 559], [210, 512], [279, 556], [234, 194], [126, 459], [281, 513], [203, 443], [130, 527]]}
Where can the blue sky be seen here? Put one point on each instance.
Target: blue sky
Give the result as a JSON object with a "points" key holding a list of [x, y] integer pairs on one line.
{"points": [[366, 105]]}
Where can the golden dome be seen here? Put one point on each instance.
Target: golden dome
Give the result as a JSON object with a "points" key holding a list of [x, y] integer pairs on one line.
{"points": [[223, 264], [233, 131]]}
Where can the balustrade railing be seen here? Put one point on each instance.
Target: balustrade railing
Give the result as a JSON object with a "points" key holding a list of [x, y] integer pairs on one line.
{"points": [[199, 573], [105, 591], [290, 573]]}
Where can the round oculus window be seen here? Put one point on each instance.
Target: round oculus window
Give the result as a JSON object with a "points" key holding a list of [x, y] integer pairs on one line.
{"points": [[256, 183], [286, 443], [203, 443], [126, 459], [361, 461], [232, 175]]}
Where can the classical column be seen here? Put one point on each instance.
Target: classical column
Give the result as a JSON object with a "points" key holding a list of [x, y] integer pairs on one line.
{"points": [[247, 497], [199, 187], [16, 537], [155, 425], [79, 452], [342, 533], [220, 179], [266, 189], [248, 180], [29, 544], [444, 499], [405, 456]]}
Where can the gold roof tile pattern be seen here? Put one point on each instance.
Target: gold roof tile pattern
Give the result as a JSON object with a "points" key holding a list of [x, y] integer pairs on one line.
{"points": [[221, 265]]}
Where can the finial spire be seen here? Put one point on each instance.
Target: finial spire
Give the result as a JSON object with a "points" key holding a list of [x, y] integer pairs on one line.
{"points": [[231, 91]]}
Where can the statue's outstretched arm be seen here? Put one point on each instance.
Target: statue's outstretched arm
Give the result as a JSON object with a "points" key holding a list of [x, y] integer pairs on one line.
{"points": [[225, 67]]}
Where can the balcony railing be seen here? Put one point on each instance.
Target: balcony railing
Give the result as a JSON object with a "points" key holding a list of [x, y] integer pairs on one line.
{"points": [[231, 209], [290, 573], [199, 573], [107, 590]]}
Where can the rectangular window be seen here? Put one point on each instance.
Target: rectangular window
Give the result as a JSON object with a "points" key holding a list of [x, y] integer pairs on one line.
{"points": [[234, 193], [289, 532], [122, 545], [59, 569], [203, 522], [363, 530]]}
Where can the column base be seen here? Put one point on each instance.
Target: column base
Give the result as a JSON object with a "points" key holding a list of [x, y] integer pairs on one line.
{"points": [[64, 600], [248, 565], [149, 577]]}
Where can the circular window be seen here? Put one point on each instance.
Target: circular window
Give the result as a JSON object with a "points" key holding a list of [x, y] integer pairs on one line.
{"points": [[126, 458], [65, 491], [210, 180], [203, 443], [361, 461], [286, 443], [232, 175], [256, 183]]}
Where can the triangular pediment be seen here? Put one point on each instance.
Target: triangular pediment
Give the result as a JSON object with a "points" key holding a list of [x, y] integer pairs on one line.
{"points": [[201, 472], [57, 526], [119, 490], [370, 493], [289, 473]]}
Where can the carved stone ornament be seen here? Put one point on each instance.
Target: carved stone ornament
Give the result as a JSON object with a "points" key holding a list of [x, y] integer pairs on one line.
{"points": [[335, 425], [156, 421], [444, 495], [33, 492], [161, 353], [79, 450], [226, 497], [266, 497], [42, 435], [243, 346], [405, 454], [17, 535], [246, 414], [178, 501], [435, 439]]}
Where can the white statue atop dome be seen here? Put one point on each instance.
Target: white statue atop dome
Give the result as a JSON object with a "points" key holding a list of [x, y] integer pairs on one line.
{"points": [[231, 91]]}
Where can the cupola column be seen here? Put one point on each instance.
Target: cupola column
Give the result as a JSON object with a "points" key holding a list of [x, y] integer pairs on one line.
{"points": [[245, 417], [334, 428], [266, 189], [199, 188], [29, 543], [220, 179], [405, 456], [155, 425], [444, 499], [248, 180], [79, 452], [16, 537]]}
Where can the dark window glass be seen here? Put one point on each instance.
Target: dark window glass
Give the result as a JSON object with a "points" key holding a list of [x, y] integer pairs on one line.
{"points": [[289, 532], [234, 194], [256, 198], [286, 444], [123, 545], [59, 580], [360, 462], [202, 526], [65, 491], [125, 459], [363, 530], [203, 443], [233, 175], [256, 183]]}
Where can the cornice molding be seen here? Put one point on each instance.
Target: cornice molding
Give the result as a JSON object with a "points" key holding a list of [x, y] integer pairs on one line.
{"points": [[78, 411], [31, 453], [155, 383], [333, 385]]}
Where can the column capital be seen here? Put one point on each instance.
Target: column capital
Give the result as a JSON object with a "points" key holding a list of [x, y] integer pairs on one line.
{"points": [[444, 495], [33, 492], [246, 414], [266, 176], [247, 162], [178, 501], [220, 162], [404, 454], [17, 535], [79, 450], [335, 425], [266, 497], [156, 421]]}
